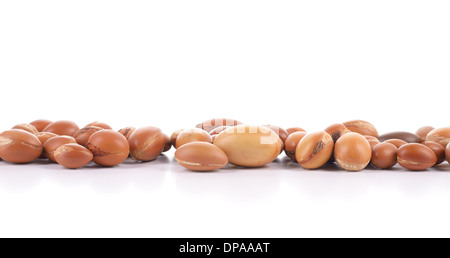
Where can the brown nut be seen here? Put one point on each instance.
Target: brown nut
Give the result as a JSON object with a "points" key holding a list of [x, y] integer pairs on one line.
{"points": [[26, 127], [294, 129], [291, 143], [99, 124], [405, 136], [397, 142], [127, 131], [439, 135], [361, 127], [192, 135], [201, 156], [43, 137], [384, 155], [218, 130], [146, 143], [283, 134], [447, 153], [62, 127], [110, 148], [373, 141], [53, 143], [249, 145], [210, 124], [73, 155], [415, 156], [82, 135], [314, 150], [352, 152], [19, 146], [336, 130], [168, 144], [174, 136], [423, 131], [40, 124], [438, 150]]}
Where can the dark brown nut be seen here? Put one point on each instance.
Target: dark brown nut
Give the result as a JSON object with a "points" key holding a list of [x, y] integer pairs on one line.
{"points": [[201, 156], [210, 124], [283, 134], [438, 150], [99, 124], [295, 129], [73, 155], [439, 135], [352, 152], [336, 130], [192, 135], [291, 143], [397, 142], [174, 136], [373, 141], [423, 131], [146, 143], [43, 137], [405, 136], [62, 127], [384, 155], [362, 127], [314, 150], [26, 127], [168, 144], [447, 153], [82, 135], [218, 130], [40, 124], [110, 148], [415, 156], [53, 143], [19, 146], [127, 131]]}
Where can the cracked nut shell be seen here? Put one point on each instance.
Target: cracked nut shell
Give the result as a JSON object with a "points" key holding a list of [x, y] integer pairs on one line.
{"points": [[314, 150], [146, 143], [73, 155], [415, 156], [384, 155], [352, 152], [201, 156], [19, 146], [82, 135], [336, 131]]}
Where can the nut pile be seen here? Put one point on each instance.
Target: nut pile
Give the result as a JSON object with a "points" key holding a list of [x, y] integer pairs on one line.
{"points": [[211, 145]]}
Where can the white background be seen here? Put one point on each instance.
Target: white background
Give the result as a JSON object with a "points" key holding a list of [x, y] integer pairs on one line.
{"points": [[173, 64]]}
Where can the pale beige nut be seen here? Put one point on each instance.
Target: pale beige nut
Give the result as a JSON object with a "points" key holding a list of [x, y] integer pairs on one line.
{"points": [[362, 127]]}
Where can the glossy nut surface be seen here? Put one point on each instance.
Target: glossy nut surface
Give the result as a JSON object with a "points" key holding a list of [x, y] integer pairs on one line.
{"points": [[192, 135], [314, 150], [405, 136], [127, 131], [53, 143], [373, 141], [82, 135], [439, 135], [291, 143], [19, 146], [218, 130], [26, 127], [146, 143], [73, 155], [352, 152], [249, 145], [384, 155], [174, 136], [397, 142], [168, 144], [283, 134], [201, 156], [40, 124], [99, 124], [294, 129], [336, 130], [44, 136], [362, 127], [210, 124], [110, 148], [415, 156], [438, 150], [447, 153], [423, 131], [62, 127]]}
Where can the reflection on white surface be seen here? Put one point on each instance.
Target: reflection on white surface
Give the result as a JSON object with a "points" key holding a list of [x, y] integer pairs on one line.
{"points": [[161, 198]]}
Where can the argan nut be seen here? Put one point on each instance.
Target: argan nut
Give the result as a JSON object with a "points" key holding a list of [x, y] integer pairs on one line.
{"points": [[201, 156], [352, 152], [362, 127], [438, 150], [291, 143], [82, 135], [99, 124], [174, 136], [73, 155], [43, 137], [447, 153], [62, 127], [405, 136], [210, 124], [336, 130], [314, 150], [168, 144], [439, 135], [40, 124], [423, 131], [249, 145], [283, 134], [110, 148], [146, 143], [397, 142], [53, 143], [127, 131], [218, 130], [384, 155], [373, 141], [192, 135], [19, 146], [415, 156], [294, 129], [26, 127]]}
